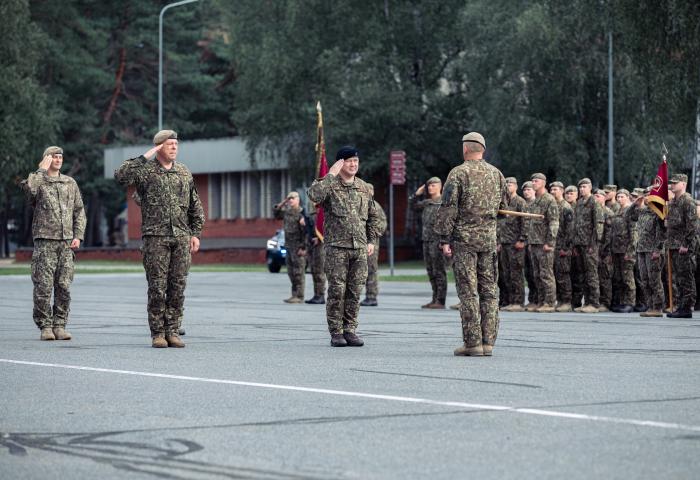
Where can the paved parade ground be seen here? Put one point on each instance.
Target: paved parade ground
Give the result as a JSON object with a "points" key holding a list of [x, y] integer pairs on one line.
{"points": [[259, 393]]}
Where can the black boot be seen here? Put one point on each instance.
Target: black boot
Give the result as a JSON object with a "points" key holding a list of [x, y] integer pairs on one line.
{"points": [[680, 313], [624, 309], [316, 300], [353, 340], [640, 308], [338, 340], [369, 302]]}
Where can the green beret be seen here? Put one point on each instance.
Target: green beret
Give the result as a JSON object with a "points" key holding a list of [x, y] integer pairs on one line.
{"points": [[433, 180], [164, 135], [52, 150], [599, 191], [474, 137], [556, 184], [678, 177], [610, 188], [570, 188], [538, 176], [512, 180], [528, 184], [584, 181]]}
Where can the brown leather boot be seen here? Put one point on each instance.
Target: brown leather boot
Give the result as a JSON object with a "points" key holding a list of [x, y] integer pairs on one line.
{"points": [[173, 340], [353, 340], [338, 340], [159, 342], [47, 334], [464, 351], [488, 349], [61, 334], [435, 306]]}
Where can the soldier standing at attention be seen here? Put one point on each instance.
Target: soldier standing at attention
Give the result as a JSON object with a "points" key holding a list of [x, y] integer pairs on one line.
{"points": [[512, 249], [589, 222], [571, 195], [611, 197], [562, 252], [435, 262], [605, 264], [640, 304], [58, 228], [541, 238], [466, 224], [352, 225], [316, 259], [624, 254], [680, 241], [290, 211], [651, 235], [172, 221], [372, 284], [532, 294]]}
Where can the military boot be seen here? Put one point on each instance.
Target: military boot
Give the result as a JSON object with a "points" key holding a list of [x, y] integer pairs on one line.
{"points": [[159, 342], [464, 351], [369, 302], [338, 340], [532, 307], [293, 300], [651, 313], [427, 305], [488, 349], [546, 308], [47, 334], [589, 309], [61, 334], [181, 331], [624, 308], [316, 300], [680, 313], [455, 306], [602, 309], [564, 307], [514, 308], [353, 340], [173, 340]]}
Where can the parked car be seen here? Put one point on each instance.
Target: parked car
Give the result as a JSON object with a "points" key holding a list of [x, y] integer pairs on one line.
{"points": [[276, 253]]}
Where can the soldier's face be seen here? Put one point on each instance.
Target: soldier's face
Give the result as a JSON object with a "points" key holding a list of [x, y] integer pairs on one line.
{"points": [[623, 199], [434, 189], [56, 161], [610, 196], [538, 183], [169, 149], [351, 166], [512, 188], [293, 202], [557, 192], [570, 196], [528, 193], [600, 198], [585, 190]]}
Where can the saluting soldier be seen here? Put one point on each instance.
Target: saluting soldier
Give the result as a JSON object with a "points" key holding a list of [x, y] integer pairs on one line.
{"points": [[295, 237], [562, 253], [624, 254], [571, 195], [58, 228], [352, 225], [512, 249], [589, 222], [680, 241]]}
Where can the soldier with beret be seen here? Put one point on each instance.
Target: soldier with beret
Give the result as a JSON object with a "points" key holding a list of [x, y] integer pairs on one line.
{"points": [[511, 255], [295, 237], [589, 222], [466, 223], [680, 241], [428, 203], [351, 228], [641, 303], [651, 234], [611, 197], [562, 254], [172, 220], [372, 283], [623, 243], [532, 293], [605, 266], [58, 228], [571, 195]]}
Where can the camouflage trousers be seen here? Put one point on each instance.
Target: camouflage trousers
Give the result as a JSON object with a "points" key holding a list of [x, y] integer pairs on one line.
{"points": [[316, 260], [605, 272], [436, 266], [346, 270], [296, 268], [512, 263], [624, 287], [684, 279], [650, 279], [532, 294], [476, 278], [640, 294], [52, 274], [562, 274], [372, 284], [543, 274], [585, 266], [167, 261]]}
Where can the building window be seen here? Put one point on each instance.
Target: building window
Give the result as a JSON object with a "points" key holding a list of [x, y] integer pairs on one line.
{"points": [[246, 194]]}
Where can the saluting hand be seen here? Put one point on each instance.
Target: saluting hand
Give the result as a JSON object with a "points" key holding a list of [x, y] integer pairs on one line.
{"points": [[337, 166], [151, 153], [420, 190], [45, 162]]}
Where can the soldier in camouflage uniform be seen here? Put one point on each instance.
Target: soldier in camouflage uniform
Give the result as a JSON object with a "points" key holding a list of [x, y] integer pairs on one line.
{"points": [[571, 195], [511, 249], [640, 304], [680, 241], [697, 253], [372, 284], [532, 294], [541, 235], [562, 253], [58, 228], [435, 262], [316, 259], [605, 263], [624, 255], [295, 238], [352, 226], [589, 222], [611, 198], [651, 235], [172, 220], [466, 224]]}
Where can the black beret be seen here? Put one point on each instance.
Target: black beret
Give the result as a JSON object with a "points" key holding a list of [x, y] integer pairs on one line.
{"points": [[346, 152]]}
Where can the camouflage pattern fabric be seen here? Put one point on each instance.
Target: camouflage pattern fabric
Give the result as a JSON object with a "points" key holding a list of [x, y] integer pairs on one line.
{"points": [[543, 274], [316, 260], [346, 270], [372, 284], [428, 208], [170, 205], [624, 256], [650, 279], [562, 252], [511, 229], [539, 232], [52, 274], [294, 239], [474, 192], [605, 263], [167, 262], [512, 263], [613, 206], [532, 294], [651, 234], [585, 262], [589, 224], [684, 280], [296, 268], [436, 266], [680, 223]]}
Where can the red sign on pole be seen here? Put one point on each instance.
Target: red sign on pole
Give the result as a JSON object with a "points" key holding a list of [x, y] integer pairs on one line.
{"points": [[397, 167]]}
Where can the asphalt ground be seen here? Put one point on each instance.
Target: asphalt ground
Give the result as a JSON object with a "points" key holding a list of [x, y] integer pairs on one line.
{"points": [[259, 393]]}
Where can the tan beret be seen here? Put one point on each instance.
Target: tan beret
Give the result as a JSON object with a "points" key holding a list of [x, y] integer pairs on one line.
{"points": [[293, 194], [474, 137], [528, 184], [538, 176], [52, 150], [610, 188], [571, 188], [623, 191], [164, 135], [433, 180], [584, 181], [556, 184]]}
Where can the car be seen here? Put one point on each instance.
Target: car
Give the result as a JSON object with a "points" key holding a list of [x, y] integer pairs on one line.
{"points": [[276, 253]]}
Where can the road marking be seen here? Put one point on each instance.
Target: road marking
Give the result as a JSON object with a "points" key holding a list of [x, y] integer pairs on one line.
{"points": [[374, 396]]}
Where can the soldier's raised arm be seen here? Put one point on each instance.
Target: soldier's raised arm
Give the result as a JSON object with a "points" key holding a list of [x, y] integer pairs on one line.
{"points": [[131, 171], [35, 180]]}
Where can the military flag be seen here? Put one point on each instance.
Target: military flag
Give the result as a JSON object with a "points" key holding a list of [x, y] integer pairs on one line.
{"points": [[321, 167], [658, 197]]}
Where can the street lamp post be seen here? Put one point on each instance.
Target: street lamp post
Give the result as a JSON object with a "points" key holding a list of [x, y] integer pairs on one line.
{"points": [[160, 57]]}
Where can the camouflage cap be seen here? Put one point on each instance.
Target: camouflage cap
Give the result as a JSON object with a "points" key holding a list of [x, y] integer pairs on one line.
{"points": [[623, 191], [571, 188], [556, 184], [293, 194], [584, 181], [164, 135], [678, 177], [512, 180], [538, 176], [433, 180], [637, 192], [610, 188], [52, 150], [528, 184], [474, 137]]}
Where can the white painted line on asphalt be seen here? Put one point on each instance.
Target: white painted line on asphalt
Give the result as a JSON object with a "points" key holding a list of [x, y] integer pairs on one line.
{"points": [[374, 396]]}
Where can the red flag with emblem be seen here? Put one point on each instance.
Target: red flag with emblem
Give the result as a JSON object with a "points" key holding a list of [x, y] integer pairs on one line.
{"points": [[658, 197], [321, 167]]}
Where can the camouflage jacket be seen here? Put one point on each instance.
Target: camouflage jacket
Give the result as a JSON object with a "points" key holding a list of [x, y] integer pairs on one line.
{"points": [[589, 222], [295, 234], [606, 241], [566, 226], [350, 216], [540, 231], [170, 205], [428, 208], [473, 194], [680, 223], [614, 206], [382, 223], [651, 232], [623, 232], [510, 228], [58, 207]]}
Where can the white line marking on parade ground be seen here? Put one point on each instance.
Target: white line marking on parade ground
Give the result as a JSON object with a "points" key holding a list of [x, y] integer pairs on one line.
{"points": [[392, 398]]}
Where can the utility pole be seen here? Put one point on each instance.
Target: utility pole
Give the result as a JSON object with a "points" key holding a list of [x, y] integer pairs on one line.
{"points": [[611, 139]]}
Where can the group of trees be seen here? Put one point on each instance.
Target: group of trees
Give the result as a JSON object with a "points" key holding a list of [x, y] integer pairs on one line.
{"points": [[391, 74]]}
